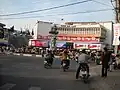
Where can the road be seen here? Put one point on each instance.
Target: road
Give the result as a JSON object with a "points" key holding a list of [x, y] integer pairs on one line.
{"points": [[28, 73]]}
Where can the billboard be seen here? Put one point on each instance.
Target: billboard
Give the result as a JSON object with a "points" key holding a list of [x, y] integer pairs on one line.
{"points": [[38, 43], [116, 34]]}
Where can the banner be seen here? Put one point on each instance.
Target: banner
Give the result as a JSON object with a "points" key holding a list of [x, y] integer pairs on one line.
{"points": [[116, 34], [82, 39]]}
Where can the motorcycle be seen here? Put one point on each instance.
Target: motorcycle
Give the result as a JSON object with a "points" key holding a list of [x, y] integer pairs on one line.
{"points": [[83, 74], [65, 66], [47, 64], [114, 64]]}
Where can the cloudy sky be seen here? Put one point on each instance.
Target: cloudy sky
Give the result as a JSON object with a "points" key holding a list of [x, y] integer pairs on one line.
{"points": [[15, 6]]}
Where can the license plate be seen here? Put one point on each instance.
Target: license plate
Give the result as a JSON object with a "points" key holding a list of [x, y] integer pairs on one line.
{"points": [[113, 62], [83, 72], [45, 62], [64, 64]]}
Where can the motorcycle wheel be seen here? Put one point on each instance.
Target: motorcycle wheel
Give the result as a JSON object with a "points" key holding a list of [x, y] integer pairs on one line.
{"points": [[64, 70], [45, 66], [85, 80]]}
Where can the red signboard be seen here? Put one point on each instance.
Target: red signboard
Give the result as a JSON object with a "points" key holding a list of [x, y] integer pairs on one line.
{"points": [[82, 39], [36, 43], [70, 38], [43, 37]]}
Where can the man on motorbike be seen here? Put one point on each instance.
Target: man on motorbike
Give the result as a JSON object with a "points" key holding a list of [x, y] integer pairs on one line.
{"points": [[83, 62], [49, 57], [65, 57]]}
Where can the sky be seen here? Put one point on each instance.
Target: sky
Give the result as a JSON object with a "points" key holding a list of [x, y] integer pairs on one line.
{"points": [[15, 6]]}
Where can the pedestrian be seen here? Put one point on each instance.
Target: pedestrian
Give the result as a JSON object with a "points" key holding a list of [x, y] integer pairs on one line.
{"points": [[105, 61]]}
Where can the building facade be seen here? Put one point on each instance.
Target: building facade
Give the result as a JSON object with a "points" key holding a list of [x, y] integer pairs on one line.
{"points": [[89, 35], [42, 29]]}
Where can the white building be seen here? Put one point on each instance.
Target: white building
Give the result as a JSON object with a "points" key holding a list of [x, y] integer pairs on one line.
{"points": [[42, 29], [89, 35], [109, 35], [92, 35]]}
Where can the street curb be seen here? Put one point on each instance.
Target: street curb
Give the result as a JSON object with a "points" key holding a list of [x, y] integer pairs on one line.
{"points": [[29, 55]]}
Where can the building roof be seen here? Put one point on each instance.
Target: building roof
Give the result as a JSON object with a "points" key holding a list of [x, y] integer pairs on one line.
{"points": [[71, 23], [1, 24], [44, 22]]}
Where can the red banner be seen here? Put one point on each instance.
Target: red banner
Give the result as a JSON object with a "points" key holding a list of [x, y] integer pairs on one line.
{"points": [[66, 38], [43, 37], [36, 43], [82, 39]]}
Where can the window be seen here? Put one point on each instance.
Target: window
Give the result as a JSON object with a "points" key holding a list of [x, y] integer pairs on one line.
{"points": [[74, 30], [85, 30]]}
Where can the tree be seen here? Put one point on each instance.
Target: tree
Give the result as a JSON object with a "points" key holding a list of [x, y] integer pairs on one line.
{"points": [[11, 29], [32, 32]]}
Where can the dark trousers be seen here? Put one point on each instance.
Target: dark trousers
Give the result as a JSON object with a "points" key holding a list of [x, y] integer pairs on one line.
{"points": [[66, 61], [104, 70], [50, 61], [79, 68]]}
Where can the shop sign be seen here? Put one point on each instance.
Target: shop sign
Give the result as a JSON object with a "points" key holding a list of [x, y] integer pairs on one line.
{"points": [[94, 46], [87, 46], [82, 39], [44, 37], [80, 46], [116, 34], [38, 43]]}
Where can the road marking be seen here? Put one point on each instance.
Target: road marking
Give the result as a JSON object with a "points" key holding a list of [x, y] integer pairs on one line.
{"points": [[7, 86], [27, 55], [34, 88], [4, 59], [38, 55], [16, 54]]}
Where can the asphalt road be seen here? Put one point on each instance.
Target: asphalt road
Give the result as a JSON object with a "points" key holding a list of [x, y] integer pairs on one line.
{"points": [[28, 73]]}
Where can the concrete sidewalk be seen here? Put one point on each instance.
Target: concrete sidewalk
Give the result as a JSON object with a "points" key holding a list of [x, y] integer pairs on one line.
{"points": [[112, 82]]}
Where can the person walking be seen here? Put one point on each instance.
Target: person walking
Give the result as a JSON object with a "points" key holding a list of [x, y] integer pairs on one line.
{"points": [[106, 58]]}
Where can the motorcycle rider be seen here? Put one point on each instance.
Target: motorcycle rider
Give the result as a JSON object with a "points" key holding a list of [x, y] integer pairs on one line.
{"points": [[49, 57], [83, 61], [65, 57]]}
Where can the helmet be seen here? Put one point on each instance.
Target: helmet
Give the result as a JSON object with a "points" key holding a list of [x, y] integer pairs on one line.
{"points": [[83, 51]]}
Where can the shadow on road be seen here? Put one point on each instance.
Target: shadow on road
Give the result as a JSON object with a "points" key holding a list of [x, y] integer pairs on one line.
{"points": [[55, 67], [45, 84]]}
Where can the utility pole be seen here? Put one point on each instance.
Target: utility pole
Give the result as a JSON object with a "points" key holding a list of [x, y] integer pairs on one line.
{"points": [[117, 19]]}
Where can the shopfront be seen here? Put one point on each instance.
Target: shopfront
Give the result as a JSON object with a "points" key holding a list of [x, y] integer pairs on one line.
{"points": [[87, 46], [38, 43], [80, 39]]}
